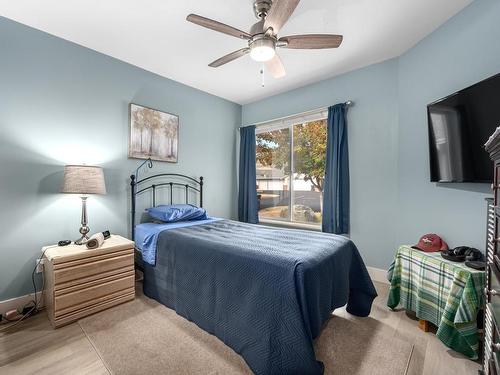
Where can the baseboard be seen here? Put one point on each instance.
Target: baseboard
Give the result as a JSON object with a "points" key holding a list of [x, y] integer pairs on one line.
{"points": [[377, 274], [15, 303]]}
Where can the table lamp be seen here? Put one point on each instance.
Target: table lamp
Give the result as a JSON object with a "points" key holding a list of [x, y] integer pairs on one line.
{"points": [[83, 180]]}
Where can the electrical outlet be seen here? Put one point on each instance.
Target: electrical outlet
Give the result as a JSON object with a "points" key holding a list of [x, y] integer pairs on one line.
{"points": [[39, 265]]}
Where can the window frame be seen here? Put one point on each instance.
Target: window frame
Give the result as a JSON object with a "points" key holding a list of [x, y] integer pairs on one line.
{"points": [[289, 123]]}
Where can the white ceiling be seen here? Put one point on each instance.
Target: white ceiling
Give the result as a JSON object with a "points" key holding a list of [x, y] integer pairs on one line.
{"points": [[154, 35]]}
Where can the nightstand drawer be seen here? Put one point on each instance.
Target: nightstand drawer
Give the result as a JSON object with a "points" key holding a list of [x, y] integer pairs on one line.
{"points": [[88, 296], [93, 267], [99, 306]]}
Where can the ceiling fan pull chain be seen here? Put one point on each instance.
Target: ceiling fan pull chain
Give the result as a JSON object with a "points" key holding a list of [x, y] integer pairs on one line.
{"points": [[263, 82]]}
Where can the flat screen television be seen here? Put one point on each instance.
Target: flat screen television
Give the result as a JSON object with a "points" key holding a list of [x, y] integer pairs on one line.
{"points": [[459, 126]]}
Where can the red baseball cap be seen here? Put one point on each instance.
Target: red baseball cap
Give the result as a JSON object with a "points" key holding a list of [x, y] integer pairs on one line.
{"points": [[431, 243]]}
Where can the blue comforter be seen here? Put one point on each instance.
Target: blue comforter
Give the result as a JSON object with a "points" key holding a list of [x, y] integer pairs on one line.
{"points": [[146, 236], [264, 291]]}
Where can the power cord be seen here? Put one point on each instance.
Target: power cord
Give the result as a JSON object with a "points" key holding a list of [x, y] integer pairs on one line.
{"points": [[43, 279], [35, 308], [16, 322]]}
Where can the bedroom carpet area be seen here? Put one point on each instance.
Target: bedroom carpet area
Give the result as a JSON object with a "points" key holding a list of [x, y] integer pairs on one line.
{"points": [[144, 336]]}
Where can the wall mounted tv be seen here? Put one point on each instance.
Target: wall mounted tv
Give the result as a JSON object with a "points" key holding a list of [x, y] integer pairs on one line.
{"points": [[459, 126]]}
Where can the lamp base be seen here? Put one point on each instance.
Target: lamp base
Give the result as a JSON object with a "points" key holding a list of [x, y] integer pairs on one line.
{"points": [[84, 229], [82, 240]]}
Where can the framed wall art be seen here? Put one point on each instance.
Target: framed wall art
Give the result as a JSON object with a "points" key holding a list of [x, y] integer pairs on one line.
{"points": [[153, 134]]}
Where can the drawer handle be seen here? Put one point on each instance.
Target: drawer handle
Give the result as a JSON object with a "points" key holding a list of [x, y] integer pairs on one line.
{"points": [[492, 292]]}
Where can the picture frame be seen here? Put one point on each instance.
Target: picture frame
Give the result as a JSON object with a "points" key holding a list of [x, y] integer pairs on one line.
{"points": [[153, 134]]}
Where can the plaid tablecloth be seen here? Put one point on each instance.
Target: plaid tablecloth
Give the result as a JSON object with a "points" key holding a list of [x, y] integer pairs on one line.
{"points": [[445, 293]]}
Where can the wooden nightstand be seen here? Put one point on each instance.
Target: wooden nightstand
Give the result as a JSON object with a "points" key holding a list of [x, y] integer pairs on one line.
{"points": [[80, 282]]}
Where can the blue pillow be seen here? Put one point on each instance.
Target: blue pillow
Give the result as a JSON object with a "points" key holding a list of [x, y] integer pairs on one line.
{"points": [[177, 212]]}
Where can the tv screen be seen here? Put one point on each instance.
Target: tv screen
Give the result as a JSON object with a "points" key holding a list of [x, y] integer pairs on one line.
{"points": [[459, 126]]}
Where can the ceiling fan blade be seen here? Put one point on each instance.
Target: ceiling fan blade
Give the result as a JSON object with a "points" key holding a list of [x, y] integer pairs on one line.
{"points": [[229, 57], [280, 12], [312, 41], [217, 26], [275, 66]]}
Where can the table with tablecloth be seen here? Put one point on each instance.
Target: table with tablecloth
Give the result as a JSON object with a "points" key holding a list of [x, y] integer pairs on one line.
{"points": [[445, 293]]}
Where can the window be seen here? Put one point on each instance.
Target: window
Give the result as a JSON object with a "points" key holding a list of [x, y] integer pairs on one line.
{"points": [[290, 158]]}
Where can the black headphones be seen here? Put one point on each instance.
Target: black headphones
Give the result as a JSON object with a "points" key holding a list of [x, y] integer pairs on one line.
{"points": [[462, 253]]}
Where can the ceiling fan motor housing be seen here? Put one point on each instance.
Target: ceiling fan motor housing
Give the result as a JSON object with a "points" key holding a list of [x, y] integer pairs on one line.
{"points": [[261, 8]]}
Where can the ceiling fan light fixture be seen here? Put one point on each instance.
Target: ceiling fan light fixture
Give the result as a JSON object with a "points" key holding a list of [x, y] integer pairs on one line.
{"points": [[262, 50]]}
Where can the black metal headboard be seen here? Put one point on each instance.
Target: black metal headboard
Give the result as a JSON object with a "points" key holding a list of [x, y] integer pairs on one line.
{"points": [[152, 183]]}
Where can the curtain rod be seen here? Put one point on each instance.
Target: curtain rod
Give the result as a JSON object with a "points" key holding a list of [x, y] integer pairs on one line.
{"points": [[348, 103]]}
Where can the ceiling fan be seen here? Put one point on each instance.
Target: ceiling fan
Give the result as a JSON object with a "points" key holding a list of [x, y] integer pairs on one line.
{"points": [[263, 36]]}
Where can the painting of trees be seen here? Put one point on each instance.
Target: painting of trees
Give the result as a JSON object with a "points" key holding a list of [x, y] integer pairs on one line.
{"points": [[153, 134]]}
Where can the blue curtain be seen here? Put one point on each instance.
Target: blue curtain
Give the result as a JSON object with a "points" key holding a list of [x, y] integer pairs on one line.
{"points": [[336, 186], [247, 184]]}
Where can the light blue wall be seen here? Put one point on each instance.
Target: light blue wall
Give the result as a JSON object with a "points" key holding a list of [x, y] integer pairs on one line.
{"points": [[61, 103], [392, 199], [372, 147], [463, 51]]}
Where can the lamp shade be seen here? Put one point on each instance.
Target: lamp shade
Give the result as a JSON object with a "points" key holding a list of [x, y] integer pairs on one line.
{"points": [[83, 179]]}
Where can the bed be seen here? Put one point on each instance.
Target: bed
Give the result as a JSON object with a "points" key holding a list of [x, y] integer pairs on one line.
{"points": [[264, 291]]}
